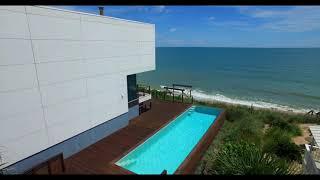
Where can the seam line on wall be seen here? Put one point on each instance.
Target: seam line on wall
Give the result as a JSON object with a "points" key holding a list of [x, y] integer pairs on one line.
{"points": [[95, 59], [39, 89], [86, 79]]}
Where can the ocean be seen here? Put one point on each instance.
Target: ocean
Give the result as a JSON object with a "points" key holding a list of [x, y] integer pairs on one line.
{"points": [[281, 78]]}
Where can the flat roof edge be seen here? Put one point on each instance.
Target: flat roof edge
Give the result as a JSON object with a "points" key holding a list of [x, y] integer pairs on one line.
{"points": [[97, 15]]}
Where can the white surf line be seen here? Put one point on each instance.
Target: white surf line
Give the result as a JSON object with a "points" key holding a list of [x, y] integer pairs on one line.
{"points": [[257, 104], [201, 96]]}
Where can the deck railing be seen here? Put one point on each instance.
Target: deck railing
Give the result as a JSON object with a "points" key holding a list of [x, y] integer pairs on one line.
{"points": [[167, 94], [310, 158], [143, 88]]}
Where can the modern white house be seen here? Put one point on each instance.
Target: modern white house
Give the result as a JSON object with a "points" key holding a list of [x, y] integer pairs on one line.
{"points": [[66, 79]]}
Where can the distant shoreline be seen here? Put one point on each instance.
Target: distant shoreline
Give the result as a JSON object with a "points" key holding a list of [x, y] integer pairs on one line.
{"points": [[256, 107], [202, 97]]}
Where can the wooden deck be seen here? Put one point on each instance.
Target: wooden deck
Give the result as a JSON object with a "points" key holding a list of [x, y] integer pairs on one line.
{"points": [[96, 158]]}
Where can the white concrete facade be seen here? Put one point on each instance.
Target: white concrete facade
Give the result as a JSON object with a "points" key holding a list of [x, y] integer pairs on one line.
{"points": [[64, 72]]}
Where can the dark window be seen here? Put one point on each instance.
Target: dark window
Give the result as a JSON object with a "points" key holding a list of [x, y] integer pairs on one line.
{"points": [[132, 90]]}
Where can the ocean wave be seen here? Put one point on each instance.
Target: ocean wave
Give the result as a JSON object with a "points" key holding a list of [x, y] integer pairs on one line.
{"points": [[206, 97], [202, 96]]}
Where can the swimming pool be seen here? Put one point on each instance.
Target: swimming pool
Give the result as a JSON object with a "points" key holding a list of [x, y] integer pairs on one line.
{"points": [[169, 147]]}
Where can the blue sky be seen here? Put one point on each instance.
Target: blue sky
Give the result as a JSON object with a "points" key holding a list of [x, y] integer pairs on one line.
{"points": [[224, 26]]}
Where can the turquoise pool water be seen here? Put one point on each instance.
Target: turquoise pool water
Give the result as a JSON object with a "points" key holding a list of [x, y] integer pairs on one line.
{"points": [[169, 147]]}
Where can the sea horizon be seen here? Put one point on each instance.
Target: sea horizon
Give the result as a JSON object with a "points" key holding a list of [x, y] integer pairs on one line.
{"points": [[253, 47]]}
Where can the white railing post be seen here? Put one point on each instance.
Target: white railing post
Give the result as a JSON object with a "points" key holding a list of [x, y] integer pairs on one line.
{"points": [[309, 166]]}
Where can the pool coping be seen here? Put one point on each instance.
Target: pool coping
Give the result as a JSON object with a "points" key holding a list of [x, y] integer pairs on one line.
{"points": [[189, 163]]}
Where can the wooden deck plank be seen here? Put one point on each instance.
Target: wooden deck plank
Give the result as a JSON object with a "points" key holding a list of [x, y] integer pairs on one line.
{"points": [[96, 158]]}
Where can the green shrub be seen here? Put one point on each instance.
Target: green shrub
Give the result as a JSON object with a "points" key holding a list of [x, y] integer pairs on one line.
{"points": [[231, 136], [293, 119], [245, 159], [248, 128], [294, 130], [273, 118], [298, 118], [279, 121], [236, 113], [280, 144]]}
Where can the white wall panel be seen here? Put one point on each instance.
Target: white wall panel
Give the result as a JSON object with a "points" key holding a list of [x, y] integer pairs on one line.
{"points": [[56, 50], [49, 73], [64, 112], [72, 115], [102, 107], [102, 104], [147, 48], [48, 27], [100, 31], [15, 51], [147, 34], [25, 146], [16, 102], [17, 77], [13, 24], [52, 12], [100, 84], [145, 60], [67, 120], [99, 49], [102, 66], [13, 8], [61, 92], [103, 49], [20, 125]]}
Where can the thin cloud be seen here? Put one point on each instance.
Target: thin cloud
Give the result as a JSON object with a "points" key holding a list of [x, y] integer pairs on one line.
{"points": [[296, 19], [233, 24], [126, 10], [172, 29], [138, 9], [211, 18], [159, 9]]}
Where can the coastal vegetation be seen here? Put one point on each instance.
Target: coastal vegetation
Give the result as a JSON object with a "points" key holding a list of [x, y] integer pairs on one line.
{"points": [[246, 158], [269, 134], [252, 140]]}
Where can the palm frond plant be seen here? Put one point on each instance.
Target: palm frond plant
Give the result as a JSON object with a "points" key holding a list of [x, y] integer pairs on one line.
{"points": [[247, 159], [2, 171]]}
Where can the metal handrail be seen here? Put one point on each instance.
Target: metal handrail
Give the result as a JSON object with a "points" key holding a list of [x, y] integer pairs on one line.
{"points": [[133, 100]]}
